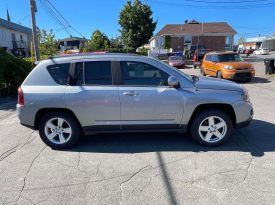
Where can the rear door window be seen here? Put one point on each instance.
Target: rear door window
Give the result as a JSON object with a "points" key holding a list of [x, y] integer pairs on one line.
{"points": [[98, 73], [59, 72]]}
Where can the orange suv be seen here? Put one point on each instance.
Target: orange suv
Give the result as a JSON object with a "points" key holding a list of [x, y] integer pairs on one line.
{"points": [[227, 65]]}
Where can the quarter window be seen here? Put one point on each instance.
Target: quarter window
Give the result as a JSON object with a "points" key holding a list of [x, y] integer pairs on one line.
{"points": [[98, 73], [208, 57], [59, 72], [142, 74]]}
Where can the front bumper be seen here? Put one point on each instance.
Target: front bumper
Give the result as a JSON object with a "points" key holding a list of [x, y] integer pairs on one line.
{"points": [[246, 122], [239, 74], [244, 114]]}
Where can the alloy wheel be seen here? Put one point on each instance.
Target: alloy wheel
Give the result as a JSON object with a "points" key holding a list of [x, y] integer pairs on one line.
{"points": [[58, 130], [212, 129]]}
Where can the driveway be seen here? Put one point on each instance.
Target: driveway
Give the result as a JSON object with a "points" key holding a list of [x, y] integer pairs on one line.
{"points": [[156, 168]]}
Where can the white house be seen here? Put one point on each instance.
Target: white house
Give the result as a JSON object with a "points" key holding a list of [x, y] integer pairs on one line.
{"points": [[15, 37]]}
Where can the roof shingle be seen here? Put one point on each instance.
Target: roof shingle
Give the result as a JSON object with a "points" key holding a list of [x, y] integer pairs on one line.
{"points": [[195, 29]]}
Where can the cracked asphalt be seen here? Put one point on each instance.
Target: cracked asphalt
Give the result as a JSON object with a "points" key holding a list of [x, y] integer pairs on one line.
{"points": [[156, 168]]}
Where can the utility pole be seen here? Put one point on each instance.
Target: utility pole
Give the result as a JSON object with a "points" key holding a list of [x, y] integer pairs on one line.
{"points": [[34, 30]]}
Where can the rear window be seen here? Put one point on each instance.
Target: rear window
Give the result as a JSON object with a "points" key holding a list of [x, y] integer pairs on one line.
{"points": [[59, 72]]}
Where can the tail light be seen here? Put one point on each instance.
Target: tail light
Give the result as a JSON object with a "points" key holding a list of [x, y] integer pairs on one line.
{"points": [[20, 96], [195, 58]]}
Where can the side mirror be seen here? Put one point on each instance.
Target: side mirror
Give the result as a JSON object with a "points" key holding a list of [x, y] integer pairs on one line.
{"points": [[173, 82]]}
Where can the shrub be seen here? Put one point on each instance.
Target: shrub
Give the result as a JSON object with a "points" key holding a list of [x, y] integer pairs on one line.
{"points": [[13, 71]]}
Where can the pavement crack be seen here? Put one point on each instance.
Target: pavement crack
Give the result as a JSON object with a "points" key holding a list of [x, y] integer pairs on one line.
{"points": [[29, 140], [78, 160], [247, 170], [128, 179], [8, 152], [24, 180], [146, 185], [69, 166]]}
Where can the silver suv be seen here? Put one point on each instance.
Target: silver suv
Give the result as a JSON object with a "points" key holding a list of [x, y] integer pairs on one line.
{"points": [[65, 97]]}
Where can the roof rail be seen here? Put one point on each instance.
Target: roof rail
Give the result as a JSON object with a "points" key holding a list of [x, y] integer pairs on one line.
{"points": [[91, 54]]}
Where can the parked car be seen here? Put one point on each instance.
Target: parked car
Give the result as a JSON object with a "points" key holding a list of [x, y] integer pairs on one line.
{"points": [[248, 52], [198, 56], [240, 50], [227, 65], [65, 97], [190, 50], [176, 61], [262, 51]]}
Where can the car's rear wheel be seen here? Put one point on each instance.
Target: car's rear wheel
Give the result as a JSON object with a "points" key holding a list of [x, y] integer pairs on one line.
{"points": [[211, 128], [219, 75], [59, 130]]}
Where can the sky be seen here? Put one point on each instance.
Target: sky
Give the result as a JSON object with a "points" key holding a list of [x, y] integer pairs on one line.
{"points": [[250, 18]]}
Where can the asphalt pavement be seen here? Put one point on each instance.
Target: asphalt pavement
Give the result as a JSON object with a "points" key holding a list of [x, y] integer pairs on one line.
{"points": [[155, 168]]}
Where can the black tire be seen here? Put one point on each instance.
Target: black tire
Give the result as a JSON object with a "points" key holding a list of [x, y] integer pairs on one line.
{"points": [[249, 80], [219, 75], [69, 120], [201, 117]]}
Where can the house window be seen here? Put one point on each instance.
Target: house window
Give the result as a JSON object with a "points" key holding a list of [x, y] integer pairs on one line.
{"points": [[228, 41], [187, 39]]}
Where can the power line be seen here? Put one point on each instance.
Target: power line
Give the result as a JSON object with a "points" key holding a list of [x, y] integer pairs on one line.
{"points": [[235, 7], [55, 17], [58, 17], [226, 2], [64, 19]]}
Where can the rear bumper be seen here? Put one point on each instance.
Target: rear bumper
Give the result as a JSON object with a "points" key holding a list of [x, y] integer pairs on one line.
{"points": [[26, 116]]}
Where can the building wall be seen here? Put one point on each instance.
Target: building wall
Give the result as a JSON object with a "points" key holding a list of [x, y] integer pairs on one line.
{"points": [[270, 44], [6, 38], [157, 43], [177, 43], [216, 43]]}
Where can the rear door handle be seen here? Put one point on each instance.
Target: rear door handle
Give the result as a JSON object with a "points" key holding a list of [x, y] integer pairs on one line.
{"points": [[130, 93]]}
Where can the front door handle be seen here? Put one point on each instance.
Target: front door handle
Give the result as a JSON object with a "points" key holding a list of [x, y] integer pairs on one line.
{"points": [[130, 93]]}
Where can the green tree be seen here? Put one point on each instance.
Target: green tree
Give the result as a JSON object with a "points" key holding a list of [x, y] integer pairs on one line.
{"points": [[48, 45], [99, 41], [13, 71], [241, 40], [137, 25], [116, 42]]}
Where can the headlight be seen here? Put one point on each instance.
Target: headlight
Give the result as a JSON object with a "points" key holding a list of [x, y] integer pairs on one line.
{"points": [[245, 95], [228, 67]]}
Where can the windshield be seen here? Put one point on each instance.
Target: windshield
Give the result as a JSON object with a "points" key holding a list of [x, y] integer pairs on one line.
{"points": [[230, 58], [175, 58], [189, 77]]}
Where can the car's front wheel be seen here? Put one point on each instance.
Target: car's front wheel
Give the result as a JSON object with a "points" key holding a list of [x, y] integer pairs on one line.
{"points": [[211, 127], [59, 130]]}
